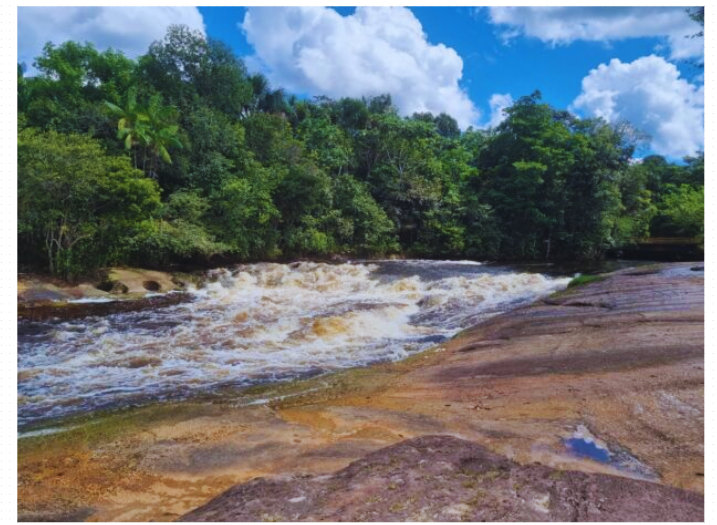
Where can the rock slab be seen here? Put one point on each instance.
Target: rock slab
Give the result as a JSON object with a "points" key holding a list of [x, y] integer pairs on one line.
{"points": [[444, 478]]}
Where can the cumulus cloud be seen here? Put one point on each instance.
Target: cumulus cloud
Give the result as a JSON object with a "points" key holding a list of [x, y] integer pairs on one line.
{"points": [[497, 104], [129, 29], [650, 94], [563, 25], [376, 50]]}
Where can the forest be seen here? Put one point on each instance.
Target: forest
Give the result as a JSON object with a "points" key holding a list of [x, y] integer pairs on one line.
{"points": [[182, 157]]}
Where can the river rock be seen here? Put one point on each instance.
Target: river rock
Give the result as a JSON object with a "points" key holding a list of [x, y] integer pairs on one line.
{"points": [[443, 478], [138, 281], [130, 283], [35, 290]]}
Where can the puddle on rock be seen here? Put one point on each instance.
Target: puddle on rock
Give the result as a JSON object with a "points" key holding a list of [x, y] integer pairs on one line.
{"points": [[583, 444], [587, 448]]}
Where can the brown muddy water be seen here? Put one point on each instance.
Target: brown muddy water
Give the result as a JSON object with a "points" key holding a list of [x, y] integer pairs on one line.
{"points": [[259, 323]]}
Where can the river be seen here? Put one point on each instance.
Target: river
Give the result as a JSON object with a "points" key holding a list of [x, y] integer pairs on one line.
{"points": [[262, 322]]}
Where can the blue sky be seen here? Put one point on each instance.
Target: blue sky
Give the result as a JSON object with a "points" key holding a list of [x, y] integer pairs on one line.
{"points": [[489, 65], [619, 63]]}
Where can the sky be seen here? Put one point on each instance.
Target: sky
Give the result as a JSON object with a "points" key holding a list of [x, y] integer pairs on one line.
{"points": [[618, 63]]}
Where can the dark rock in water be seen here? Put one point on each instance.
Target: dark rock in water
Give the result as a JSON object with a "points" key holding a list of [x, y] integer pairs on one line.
{"points": [[67, 311], [443, 478]]}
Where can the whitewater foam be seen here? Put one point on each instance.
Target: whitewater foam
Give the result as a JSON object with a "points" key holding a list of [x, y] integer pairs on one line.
{"points": [[259, 322]]}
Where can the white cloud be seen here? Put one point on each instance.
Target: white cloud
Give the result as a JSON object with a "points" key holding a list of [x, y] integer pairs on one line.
{"points": [[497, 104], [650, 94], [563, 25], [129, 29], [373, 51]]}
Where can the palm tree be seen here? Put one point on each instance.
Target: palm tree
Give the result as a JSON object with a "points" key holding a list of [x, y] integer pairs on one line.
{"points": [[162, 133], [150, 128], [132, 123]]}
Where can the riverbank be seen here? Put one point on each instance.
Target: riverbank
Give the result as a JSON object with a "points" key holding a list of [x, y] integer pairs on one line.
{"points": [[617, 362], [113, 284]]}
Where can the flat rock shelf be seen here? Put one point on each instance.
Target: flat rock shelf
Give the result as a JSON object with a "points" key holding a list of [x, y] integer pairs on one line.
{"points": [[617, 363]]}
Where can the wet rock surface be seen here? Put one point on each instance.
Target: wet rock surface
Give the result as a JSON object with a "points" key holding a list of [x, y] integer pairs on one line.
{"points": [[43, 297], [119, 283], [622, 358], [68, 311], [138, 281], [443, 478]]}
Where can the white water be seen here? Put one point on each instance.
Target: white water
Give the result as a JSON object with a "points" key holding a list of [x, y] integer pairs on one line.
{"points": [[261, 322]]}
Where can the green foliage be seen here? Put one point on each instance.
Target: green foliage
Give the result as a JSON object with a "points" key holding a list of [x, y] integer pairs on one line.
{"points": [[72, 83], [177, 234], [698, 15], [186, 68], [553, 184], [270, 138], [685, 207], [669, 183], [150, 128], [247, 172], [304, 199], [366, 228], [245, 216], [76, 205], [215, 151], [329, 143]]}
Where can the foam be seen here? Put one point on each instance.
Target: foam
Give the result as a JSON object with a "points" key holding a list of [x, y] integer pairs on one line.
{"points": [[257, 322]]}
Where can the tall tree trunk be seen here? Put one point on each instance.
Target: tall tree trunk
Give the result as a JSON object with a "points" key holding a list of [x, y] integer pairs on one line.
{"points": [[48, 245], [547, 252]]}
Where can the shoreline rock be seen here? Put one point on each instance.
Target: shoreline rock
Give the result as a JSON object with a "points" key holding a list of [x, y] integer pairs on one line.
{"points": [[443, 478], [39, 295], [629, 376]]}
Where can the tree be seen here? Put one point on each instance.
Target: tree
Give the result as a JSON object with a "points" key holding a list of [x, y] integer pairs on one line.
{"points": [[517, 180], [685, 208], [185, 66], [132, 121], [178, 233], [304, 199], [329, 144], [367, 229], [447, 126], [245, 216], [162, 134], [215, 152], [76, 205], [150, 128], [270, 138], [250, 172], [72, 83], [698, 15], [24, 96], [552, 182]]}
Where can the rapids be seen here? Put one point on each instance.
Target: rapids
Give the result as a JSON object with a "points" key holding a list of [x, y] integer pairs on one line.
{"points": [[260, 322]]}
